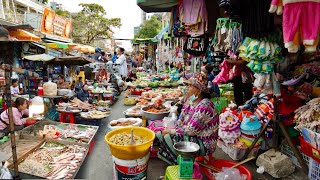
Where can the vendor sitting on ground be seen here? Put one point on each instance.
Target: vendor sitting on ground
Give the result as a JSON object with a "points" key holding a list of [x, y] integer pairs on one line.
{"points": [[132, 75], [14, 88], [83, 94], [198, 122], [19, 109], [62, 84]]}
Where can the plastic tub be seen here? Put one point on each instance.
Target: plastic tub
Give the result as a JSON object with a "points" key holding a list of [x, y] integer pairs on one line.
{"points": [[131, 152], [220, 163], [130, 169]]}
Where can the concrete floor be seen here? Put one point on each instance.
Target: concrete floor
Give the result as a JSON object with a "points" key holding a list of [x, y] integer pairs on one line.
{"points": [[98, 165]]}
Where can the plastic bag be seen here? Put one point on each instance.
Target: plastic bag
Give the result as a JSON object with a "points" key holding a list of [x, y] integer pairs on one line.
{"points": [[230, 174], [5, 173]]}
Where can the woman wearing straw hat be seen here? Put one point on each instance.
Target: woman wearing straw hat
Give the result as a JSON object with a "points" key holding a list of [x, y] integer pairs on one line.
{"points": [[197, 123]]}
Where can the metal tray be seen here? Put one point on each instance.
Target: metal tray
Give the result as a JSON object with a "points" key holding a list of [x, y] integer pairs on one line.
{"points": [[21, 159], [34, 129]]}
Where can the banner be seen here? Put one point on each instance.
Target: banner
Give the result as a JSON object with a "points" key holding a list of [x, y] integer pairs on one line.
{"points": [[55, 24]]}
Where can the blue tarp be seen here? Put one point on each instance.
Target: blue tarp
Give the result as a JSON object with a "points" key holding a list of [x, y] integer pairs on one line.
{"points": [[162, 32]]}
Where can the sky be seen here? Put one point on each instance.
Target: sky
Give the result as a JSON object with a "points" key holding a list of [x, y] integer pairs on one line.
{"points": [[127, 10]]}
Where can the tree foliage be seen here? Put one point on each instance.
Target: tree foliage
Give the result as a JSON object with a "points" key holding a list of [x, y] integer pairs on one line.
{"points": [[66, 14], [91, 23], [150, 28]]}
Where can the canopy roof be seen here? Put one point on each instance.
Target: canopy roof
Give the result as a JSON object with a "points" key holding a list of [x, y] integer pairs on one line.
{"points": [[143, 41], [157, 5], [39, 57], [70, 60], [60, 45], [23, 35], [84, 48]]}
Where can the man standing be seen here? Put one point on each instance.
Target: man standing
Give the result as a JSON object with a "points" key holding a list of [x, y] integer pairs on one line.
{"points": [[97, 56], [122, 63]]}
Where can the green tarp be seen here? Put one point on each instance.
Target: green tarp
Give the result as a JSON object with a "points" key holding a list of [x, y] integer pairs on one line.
{"points": [[156, 5], [143, 41]]}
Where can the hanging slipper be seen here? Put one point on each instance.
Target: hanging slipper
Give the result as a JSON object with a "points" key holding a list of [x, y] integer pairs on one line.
{"points": [[294, 81]]}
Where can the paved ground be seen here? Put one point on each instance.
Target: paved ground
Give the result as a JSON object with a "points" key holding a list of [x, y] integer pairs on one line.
{"points": [[98, 164]]}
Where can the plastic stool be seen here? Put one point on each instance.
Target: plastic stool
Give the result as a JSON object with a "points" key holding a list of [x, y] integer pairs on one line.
{"points": [[97, 96], [63, 118], [173, 174]]}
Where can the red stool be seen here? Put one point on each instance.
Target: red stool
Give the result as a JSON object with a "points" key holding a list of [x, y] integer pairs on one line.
{"points": [[96, 96], [63, 118]]}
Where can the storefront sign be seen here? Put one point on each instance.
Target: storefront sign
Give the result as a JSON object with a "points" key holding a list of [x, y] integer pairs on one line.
{"points": [[55, 24]]}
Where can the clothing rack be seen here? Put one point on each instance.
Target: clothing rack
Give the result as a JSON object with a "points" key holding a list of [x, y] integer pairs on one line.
{"points": [[8, 71]]}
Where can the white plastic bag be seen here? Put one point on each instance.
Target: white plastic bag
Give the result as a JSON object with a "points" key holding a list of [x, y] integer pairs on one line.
{"points": [[5, 173], [230, 174]]}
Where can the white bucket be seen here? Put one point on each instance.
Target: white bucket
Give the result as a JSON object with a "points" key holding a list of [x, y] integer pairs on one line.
{"points": [[130, 169]]}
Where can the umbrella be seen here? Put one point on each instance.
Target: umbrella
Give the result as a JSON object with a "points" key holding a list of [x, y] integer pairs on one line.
{"points": [[39, 57], [157, 5]]}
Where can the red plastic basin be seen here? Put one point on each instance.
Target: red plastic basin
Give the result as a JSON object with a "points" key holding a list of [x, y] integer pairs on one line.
{"points": [[30, 122], [220, 163]]}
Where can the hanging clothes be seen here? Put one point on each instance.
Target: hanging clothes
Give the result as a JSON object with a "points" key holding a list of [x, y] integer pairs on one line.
{"points": [[256, 20], [196, 45], [194, 14]]}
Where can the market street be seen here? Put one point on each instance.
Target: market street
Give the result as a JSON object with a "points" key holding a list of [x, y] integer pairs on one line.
{"points": [[98, 164]]}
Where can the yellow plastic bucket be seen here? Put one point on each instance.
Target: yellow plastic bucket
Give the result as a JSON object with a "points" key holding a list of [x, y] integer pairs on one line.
{"points": [[131, 152]]}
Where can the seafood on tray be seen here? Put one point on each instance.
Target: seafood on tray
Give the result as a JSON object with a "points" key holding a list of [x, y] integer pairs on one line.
{"points": [[173, 94], [126, 122], [54, 161], [156, 109], [95, 114], [71, 131], [134, 111]]}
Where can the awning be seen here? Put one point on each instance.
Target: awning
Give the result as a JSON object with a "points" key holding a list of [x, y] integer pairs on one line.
{"points": [[60, 45], [157, 5], [84, 48], [39, 57], [145, 41], [23, 35], [70, 60]]}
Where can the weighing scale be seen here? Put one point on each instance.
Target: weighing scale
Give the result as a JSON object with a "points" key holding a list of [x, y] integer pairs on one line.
{"points": [[188, 168]]}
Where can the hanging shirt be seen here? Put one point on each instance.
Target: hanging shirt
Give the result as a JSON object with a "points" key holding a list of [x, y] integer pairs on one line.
{"points": [[123, 69]]}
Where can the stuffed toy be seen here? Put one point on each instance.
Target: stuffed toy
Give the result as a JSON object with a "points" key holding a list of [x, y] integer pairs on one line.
{"points": [[301, 22]]}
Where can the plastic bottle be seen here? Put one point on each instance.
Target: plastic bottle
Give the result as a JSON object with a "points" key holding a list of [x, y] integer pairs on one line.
{"points": [[170, 122]]}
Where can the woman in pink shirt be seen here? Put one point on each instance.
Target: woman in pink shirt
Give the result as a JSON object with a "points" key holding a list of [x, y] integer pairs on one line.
{"points": [[19, 109]]}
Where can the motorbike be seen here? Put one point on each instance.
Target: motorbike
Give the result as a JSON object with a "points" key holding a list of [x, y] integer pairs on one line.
{"points": [[115, 78]]}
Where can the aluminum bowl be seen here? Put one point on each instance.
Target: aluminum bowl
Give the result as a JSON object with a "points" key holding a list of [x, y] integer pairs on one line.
{"points": [[186, 149], [154, 116]]}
